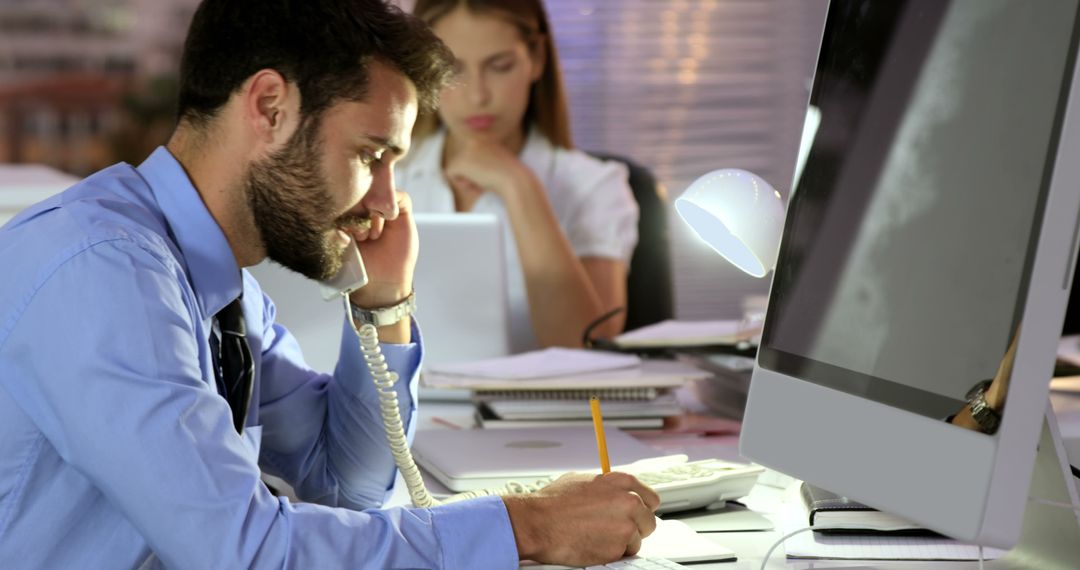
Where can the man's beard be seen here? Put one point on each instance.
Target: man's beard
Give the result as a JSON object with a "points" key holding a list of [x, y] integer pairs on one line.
{"points": [[289, 196]]}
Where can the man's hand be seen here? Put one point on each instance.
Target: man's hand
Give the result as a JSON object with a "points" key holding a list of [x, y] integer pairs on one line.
{"points": [[582, 520], [389, 250]]}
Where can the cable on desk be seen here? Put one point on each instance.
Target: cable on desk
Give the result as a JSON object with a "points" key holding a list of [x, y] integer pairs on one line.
{"points": [[1069, 506], [602, 343], [765, 560], [1059, 504]]}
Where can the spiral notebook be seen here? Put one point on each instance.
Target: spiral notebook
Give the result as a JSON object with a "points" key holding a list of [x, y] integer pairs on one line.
{"points": [[578, 408], [606, 394]]}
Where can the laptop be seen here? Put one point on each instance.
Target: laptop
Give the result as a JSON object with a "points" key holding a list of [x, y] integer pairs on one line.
{"points": [[461, 297], [465, 460]]}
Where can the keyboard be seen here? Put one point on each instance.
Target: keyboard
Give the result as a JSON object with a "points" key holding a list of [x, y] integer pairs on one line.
{"points": [[638, 563], [684, 485]]}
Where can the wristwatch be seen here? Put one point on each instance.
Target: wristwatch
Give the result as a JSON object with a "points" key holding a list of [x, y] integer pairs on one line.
{"points": [[383, 316], [986, 416]]}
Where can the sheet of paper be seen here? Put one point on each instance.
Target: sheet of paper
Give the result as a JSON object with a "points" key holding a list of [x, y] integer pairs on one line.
{"points": [[688, 333], [732, 518], [1069, 349], [672, 540], [678, 542], [1066, 384], [548, 363]]}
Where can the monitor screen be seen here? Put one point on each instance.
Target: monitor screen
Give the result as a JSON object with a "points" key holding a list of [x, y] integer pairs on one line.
{"points": [[933, 222], [911, 233]]}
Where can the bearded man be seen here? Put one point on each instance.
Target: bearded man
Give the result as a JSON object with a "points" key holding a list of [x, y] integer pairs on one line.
{"points": [[144, 385]]}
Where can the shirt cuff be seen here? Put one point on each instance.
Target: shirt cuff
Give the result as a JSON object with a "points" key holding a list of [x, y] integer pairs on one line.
{"points": [[476, 534]]}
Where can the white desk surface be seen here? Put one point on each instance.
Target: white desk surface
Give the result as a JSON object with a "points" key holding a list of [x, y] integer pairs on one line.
{"points": [[750, 547]]}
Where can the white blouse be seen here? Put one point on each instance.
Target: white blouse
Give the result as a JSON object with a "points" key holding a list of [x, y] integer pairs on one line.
{"points": [[591, 198]]}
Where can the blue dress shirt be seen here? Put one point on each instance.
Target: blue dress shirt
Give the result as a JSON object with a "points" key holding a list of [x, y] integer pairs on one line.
{"points": [[116, 450]]}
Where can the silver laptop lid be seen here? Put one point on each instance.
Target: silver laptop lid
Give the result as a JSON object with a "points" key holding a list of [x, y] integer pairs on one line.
{"points": [[460, 282], [473, 459]]}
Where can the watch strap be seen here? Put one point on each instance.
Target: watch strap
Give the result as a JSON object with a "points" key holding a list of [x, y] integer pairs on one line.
{"points": [[383, 316], [982, 412]]}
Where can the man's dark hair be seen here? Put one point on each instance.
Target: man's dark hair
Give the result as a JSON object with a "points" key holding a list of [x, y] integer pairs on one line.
{"points": [[323, 46]]}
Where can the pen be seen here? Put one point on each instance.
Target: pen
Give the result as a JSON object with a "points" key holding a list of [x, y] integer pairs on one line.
{"points": [[601, 441]]}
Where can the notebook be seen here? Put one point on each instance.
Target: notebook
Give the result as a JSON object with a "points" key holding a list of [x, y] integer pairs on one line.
{"points": [[465, 460], [867, 546], [832, 512]]}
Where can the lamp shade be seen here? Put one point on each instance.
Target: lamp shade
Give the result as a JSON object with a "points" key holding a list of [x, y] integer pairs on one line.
{"points": [[738, 214]]}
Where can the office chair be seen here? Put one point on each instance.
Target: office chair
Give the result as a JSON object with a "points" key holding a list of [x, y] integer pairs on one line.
{"points": [[1072, 312], [649, 296]]}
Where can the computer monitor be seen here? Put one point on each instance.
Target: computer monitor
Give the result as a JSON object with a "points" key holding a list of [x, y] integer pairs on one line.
{"points": [[934, 219]]}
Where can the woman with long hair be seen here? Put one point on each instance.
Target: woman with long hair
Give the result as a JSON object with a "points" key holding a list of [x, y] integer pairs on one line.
{"points": [[500, 143]]}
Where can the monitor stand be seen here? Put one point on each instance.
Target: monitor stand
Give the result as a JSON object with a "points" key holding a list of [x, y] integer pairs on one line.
{"points": [[1050, 536]]}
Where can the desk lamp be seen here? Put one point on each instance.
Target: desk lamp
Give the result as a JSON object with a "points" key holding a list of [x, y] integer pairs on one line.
{"points": [[738, 214]]}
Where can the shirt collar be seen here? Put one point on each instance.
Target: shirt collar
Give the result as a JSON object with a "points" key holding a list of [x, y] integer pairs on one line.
{"points": [[536, 145], [538, 154], [210, 262]]}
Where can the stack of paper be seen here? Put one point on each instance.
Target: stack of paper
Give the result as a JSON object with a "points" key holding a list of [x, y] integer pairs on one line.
{"points": [[563, 369], [552, 387], [548, 363]]}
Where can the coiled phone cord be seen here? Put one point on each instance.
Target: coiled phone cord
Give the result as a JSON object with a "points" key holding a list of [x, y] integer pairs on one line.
{"points": [[394, 427]]}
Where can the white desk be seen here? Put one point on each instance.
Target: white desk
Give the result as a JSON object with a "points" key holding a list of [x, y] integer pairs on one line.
{"points": [[764, 499]]}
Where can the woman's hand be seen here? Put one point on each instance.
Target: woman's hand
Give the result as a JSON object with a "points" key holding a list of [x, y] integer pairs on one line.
{"points": [[996, 392], [482, 166]]}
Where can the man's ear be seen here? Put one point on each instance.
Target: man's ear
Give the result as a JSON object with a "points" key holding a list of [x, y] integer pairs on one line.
{"points": [[271, 106]]}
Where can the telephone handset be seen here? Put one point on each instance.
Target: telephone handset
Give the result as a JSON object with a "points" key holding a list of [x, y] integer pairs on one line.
{"points": [[351, 277]]}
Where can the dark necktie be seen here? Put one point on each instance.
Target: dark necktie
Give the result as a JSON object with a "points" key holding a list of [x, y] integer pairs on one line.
{"points": [[233, 366]]}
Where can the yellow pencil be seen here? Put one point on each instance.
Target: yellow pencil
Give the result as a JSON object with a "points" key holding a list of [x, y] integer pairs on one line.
{"points": [[601, 441]]}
